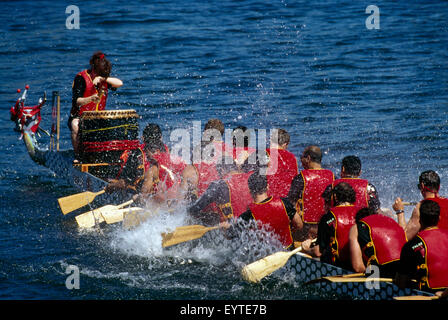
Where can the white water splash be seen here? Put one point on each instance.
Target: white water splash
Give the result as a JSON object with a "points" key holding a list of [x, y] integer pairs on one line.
{"points": [[247, 244]]}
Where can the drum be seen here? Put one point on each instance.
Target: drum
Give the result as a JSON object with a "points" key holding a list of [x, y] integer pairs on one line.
{"points": [[104, 135]]}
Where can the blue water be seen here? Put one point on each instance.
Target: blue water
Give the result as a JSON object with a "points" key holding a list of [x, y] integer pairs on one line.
{"points": [[312, 68]]}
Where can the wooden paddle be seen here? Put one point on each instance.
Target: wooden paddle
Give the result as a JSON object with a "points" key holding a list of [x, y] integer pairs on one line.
{"points": [[184, 234], [348, 278], [409, 203], [76, 201], [259, 269], [439, 295], [117, 215], [417, 297], [90, 218]]}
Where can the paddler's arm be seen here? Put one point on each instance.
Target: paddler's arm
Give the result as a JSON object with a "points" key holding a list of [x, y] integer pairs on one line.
{"points": [[324, 232], [294, 217], [355, 250], [399, 211], [189, 182], [413, 226], [295, 190], [311, 248], [151, 178], [213, 194]]}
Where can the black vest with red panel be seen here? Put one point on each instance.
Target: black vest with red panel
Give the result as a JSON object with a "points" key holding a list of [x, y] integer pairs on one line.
{"points": [[436, 258]]}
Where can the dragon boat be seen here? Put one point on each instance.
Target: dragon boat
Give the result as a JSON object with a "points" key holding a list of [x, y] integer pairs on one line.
{"points": [[327, 280], [101, 156]]}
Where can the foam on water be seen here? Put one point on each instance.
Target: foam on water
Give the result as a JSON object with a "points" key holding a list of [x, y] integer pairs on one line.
{"points": [[245, 244]]}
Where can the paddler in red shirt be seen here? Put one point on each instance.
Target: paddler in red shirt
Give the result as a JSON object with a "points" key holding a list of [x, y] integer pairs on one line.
{"points": [[366, 194], [425, 257], [230, 194], [282, 166], [273, 213], [306, 192], [375, 239], [429, 185], [332, 244], [89, 92], [197, 176]]}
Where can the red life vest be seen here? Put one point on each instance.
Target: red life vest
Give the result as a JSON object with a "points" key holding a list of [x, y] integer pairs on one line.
{"points": [[387, 238], [436, 258], [273, 213], [240, 196], [91, 90], [281, 171], [360, 188], [170, 168], [443, 204], [207, 173], [215, 152], [312, 203], [344, 219], [241, 154]]}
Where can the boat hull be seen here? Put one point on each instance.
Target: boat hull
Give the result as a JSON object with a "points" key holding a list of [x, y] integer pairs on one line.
{"points": [[306, 269]]}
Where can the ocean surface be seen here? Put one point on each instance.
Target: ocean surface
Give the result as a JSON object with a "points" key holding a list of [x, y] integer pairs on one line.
{"points": [[313, 68]]}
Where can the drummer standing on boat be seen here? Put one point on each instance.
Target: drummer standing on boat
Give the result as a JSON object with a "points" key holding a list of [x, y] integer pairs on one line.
{"points": [[89, 93]]}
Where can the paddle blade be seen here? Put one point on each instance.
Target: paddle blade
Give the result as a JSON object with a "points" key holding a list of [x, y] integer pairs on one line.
{"points": [[117, 215], [76, 201], [89, 219], [183, 234], [259, 269], [109, 213], [135, 218]]}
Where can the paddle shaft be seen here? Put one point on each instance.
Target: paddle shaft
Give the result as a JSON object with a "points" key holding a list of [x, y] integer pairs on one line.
{"points": [[88, 219]]}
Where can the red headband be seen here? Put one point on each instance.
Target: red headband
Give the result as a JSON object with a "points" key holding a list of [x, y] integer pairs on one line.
{"points": [[102, 56]]}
